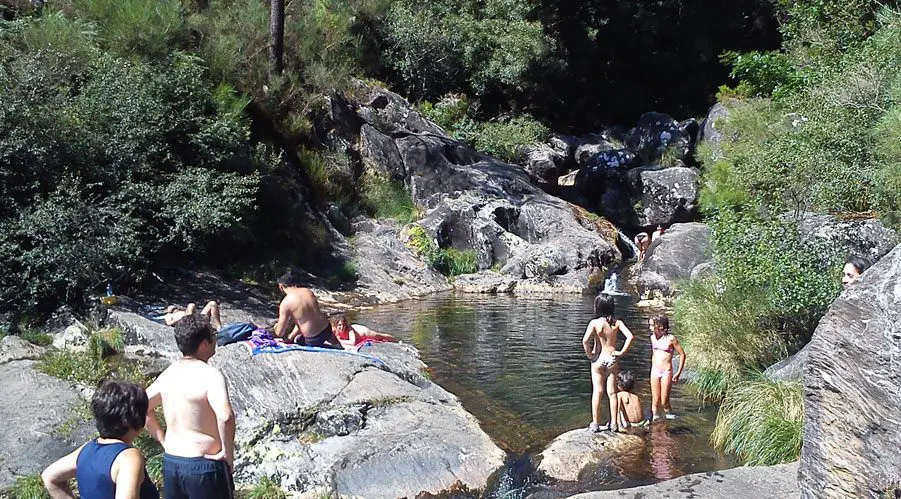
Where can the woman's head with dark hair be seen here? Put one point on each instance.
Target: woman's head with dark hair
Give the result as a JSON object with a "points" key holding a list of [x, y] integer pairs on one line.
{"points": [[661, 321], [191, 331], [603, 306], [854, 267], [119, 407]]}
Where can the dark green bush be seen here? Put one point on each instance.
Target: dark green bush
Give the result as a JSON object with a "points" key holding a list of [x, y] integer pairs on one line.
{"points": [[107, 163]]}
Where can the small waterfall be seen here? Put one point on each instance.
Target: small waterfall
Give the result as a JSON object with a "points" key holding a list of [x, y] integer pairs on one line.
{"points": [[611, 286], [628, 242]]}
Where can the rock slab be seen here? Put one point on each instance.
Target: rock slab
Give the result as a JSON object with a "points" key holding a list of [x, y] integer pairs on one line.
{"points": [[851, 390], [38, 420], [309, 420], [674, 256], [568, 455], [761, 482]]}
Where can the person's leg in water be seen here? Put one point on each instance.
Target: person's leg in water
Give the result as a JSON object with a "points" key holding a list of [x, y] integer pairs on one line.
{"points": [[666, 385], [655, 394], [610, 375], [597, 391], [211, 310]]}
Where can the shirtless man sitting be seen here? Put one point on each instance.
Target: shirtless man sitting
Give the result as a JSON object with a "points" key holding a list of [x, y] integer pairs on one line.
{"points": [[300, 320], [200, 426]]}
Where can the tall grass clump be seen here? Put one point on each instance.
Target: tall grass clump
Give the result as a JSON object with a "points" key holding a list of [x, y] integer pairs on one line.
{"points": [[265, 488], [29, 487], [761, 422], [449, 261], [727, 332], [386, 198], [151, 28]]}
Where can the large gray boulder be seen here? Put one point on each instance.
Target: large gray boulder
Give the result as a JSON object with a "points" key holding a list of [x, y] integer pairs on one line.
{"points": [[543, 164], [351, 425], [711, 126], [791, 368], [675, 256], [573, 452], [663, 196], [472, 202], [39, 417], [868, 237], [657, 132], [851, 395], [760, 482]]}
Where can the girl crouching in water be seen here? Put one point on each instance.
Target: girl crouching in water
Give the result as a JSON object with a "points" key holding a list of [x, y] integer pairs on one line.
{"points": [[662, 378], [599, 343]]}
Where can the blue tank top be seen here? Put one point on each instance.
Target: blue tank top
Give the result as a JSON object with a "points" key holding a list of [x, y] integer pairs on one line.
{"points": [[93, 472]]}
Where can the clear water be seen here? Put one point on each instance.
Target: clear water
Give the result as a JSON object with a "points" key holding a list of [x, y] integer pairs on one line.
{"points": [[517, 365]]}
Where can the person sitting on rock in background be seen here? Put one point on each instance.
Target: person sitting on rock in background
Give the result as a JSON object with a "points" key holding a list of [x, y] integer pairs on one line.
{"points": [[629, 404], [210, 310], [657, 233], [662, 379], [854, 267], [300, 319], [200, 425], [642, 241], [107, 466], [355, 334], [599, 343]]}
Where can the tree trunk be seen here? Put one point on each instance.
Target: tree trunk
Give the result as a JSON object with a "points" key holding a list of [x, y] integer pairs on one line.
{"points": [[276, 37]]}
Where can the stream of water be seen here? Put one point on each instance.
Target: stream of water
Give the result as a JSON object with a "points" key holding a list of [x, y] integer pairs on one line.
{"points": [[516, 363]]}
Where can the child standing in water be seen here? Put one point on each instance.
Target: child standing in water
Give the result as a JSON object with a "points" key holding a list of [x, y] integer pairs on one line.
{"points": [[599, 343], [662, 378]]}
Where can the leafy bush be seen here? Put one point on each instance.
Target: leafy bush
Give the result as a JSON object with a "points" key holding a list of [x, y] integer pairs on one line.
{"points": [[761, 421], [37, 337], [107, 163], [384, 198], [446, 46]]}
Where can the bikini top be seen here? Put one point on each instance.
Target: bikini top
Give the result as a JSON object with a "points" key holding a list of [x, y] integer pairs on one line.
{"points": [[664, 343]]}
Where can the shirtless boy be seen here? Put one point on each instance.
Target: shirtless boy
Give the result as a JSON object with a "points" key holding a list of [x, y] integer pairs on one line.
{"points": [[629, 404], [200, 426], [300, 320], [599, 343]]}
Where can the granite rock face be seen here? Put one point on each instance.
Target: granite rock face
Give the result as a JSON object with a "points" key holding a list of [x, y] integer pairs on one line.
{"points": [[674, 256], [760, 482], [39, 414], [356, 426], [851, 395]]}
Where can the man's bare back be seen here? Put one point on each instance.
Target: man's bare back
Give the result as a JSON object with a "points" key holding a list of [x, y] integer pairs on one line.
{"points": [[299, 314], [188, 390]]}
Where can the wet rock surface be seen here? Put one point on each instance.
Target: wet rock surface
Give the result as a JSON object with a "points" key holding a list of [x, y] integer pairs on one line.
{"points": [[568, 455], [851, 395], [763, 482]]}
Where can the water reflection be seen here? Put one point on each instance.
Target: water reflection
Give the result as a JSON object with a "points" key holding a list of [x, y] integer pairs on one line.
{"points": [[517, 365]]}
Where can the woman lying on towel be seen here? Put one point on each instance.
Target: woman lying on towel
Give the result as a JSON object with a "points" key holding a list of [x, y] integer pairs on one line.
{"points": [[355, 334]]}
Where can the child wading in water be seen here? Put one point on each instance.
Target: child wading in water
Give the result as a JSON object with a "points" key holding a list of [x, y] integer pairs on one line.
{"points": [[599, 343], [662, 378]]}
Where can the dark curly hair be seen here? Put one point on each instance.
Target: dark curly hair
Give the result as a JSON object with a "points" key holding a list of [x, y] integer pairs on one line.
{"points": [[625, 381], [118, 407]]}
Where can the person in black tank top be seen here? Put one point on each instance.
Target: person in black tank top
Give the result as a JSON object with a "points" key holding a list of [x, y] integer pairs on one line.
{"points": [[109, 462]]}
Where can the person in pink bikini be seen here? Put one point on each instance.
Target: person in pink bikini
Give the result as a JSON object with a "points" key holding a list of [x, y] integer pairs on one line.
{"points": [[663, 343]]}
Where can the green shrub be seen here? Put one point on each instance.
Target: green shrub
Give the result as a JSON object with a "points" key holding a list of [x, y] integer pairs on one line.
{"points": [[29, 487], [502, 138], [444, 46], [761, 421], [113, 161], [265, 489], [449, 261]]}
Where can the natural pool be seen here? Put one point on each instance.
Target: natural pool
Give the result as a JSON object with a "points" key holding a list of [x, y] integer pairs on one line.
{"points": [[516, 363]]}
